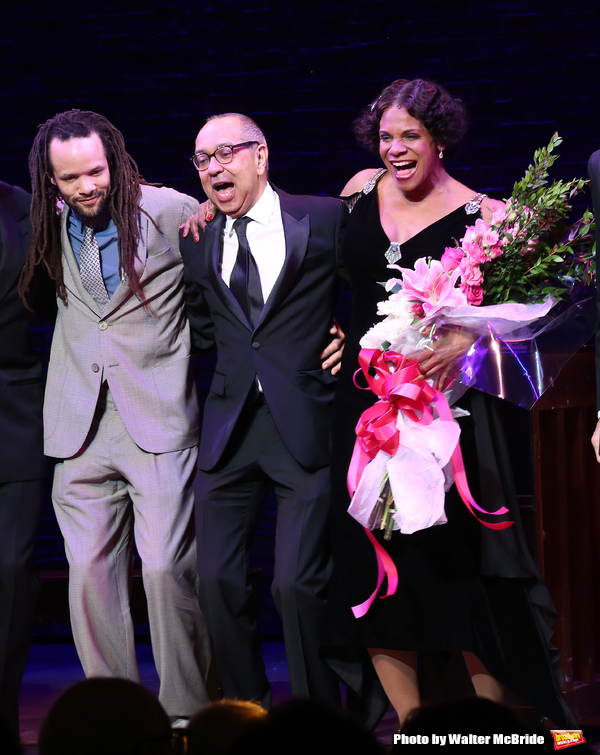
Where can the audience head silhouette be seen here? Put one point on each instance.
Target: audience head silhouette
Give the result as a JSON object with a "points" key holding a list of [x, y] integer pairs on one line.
{"points": [[106, 717], [215, 728]]}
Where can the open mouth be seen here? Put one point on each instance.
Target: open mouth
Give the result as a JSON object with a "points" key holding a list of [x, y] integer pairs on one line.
{"points": [[404, 167], [224, 190]]}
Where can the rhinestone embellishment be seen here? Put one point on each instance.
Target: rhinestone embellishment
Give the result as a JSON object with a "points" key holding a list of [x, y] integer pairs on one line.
{"points": [[474, 204], [394, 252]]}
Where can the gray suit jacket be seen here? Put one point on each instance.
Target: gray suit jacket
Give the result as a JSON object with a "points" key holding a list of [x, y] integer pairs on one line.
{"points": [[143, 355]]}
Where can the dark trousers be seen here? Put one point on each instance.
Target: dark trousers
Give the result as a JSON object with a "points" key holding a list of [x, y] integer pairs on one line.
{"points": [[228, 503], [19, 516]]}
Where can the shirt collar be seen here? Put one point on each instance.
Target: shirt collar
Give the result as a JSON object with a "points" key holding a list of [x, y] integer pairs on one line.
{"points": [[76, 223], [261, 212]]}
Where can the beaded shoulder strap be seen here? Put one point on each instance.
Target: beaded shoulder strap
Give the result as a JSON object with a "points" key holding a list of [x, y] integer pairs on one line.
{"points": [[474, 204], [366, 189]]}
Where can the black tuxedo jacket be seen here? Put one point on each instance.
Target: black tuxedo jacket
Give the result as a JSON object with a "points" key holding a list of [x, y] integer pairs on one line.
{"points": [[283, 350], [594, 174], [21, 389]]}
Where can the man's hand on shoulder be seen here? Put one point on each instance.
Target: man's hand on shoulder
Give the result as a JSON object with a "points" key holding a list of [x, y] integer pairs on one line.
{"points": [[332, 354]]}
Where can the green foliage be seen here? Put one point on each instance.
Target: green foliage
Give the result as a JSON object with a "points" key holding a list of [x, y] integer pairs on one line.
{"points": [[542, 256]]}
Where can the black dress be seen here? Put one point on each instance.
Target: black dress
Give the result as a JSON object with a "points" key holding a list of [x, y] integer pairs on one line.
{"points": [[461, 586]]}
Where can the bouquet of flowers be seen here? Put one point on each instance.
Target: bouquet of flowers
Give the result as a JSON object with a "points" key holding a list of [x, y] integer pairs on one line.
{"points": [[526, 253], [499, 279]]}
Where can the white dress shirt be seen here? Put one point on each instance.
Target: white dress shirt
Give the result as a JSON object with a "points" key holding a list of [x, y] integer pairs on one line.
{"points": [[265, 239]]}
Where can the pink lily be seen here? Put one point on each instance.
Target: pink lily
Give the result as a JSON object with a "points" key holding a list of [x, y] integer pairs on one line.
{"points": [[432, 285]]}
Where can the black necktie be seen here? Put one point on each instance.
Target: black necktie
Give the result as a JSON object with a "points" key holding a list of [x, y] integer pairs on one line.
{"points": [[245, 280]]}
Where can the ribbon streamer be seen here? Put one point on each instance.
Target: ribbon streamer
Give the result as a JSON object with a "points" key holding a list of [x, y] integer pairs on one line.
{"points": [[395, 383]]}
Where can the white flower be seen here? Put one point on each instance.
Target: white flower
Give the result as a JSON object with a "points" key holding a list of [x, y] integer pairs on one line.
{"points": [[397, 306], [387, 331]]}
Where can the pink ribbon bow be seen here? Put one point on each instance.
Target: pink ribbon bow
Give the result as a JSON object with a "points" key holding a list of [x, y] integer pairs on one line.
{"points": [[395, 383]]}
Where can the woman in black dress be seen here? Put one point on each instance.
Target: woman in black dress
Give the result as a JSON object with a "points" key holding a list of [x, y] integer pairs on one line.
{"points": [[461, 587]]}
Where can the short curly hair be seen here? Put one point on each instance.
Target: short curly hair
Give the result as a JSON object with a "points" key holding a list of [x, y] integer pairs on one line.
{"points": [[442, 115]]}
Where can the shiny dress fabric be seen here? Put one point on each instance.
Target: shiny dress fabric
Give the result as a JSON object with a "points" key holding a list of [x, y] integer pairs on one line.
{"points": [[461, 586]]}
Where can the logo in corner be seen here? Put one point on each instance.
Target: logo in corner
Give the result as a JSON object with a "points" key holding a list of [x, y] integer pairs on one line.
{"points": [[567, 738]]}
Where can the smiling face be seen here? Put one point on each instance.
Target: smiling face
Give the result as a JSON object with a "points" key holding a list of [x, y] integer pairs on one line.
{"points": [[236, 186], [81, 174], [408, 150]]}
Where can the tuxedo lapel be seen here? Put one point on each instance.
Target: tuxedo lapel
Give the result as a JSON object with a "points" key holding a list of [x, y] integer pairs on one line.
{"points": [[213, 234], [297, 232]]}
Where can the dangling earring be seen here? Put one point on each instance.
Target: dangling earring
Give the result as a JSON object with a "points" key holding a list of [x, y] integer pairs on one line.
{"points": [[441, 154]]}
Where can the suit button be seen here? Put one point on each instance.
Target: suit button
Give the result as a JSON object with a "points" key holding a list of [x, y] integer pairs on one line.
{"points": [[103, 325], [255, 345], [95, 368]]}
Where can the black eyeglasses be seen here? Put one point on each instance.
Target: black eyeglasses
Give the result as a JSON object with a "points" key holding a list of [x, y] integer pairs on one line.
{"points": [[223, 154]]}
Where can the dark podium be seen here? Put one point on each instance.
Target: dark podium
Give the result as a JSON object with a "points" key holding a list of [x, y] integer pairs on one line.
{"points": [[567, 503]]}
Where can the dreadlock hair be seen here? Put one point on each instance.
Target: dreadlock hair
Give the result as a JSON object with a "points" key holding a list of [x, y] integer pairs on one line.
{"points": [[123, 198]]}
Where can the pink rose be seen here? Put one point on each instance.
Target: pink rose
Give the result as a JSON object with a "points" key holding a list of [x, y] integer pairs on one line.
{"points": [[451, 258], [490, 237], [499, 216], [480, 226], [470, 237], [476, 254], [474, 294], [495, 251], [471, 274]]}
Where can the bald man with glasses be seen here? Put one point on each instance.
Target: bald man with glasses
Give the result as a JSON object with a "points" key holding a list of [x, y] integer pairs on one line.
{"points": [[260, 286]]}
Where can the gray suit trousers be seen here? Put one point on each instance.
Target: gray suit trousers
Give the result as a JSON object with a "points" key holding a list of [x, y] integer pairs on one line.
{"points": [[107, 496]]}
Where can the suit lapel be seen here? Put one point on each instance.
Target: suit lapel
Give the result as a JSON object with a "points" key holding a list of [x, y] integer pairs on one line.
{"points": [[214, 233], [297, 232], [123, 289], [71, 268]]}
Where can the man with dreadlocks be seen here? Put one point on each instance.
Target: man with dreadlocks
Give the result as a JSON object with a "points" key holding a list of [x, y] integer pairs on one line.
{"points": [[120, 410]]}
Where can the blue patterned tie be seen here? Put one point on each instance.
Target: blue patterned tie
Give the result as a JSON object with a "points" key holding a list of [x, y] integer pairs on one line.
{"points": [[89, 268], [245, 279]]}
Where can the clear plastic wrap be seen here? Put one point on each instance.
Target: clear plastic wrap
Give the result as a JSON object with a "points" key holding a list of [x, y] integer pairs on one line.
{"points": [[520, 365], [519, 348]]}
